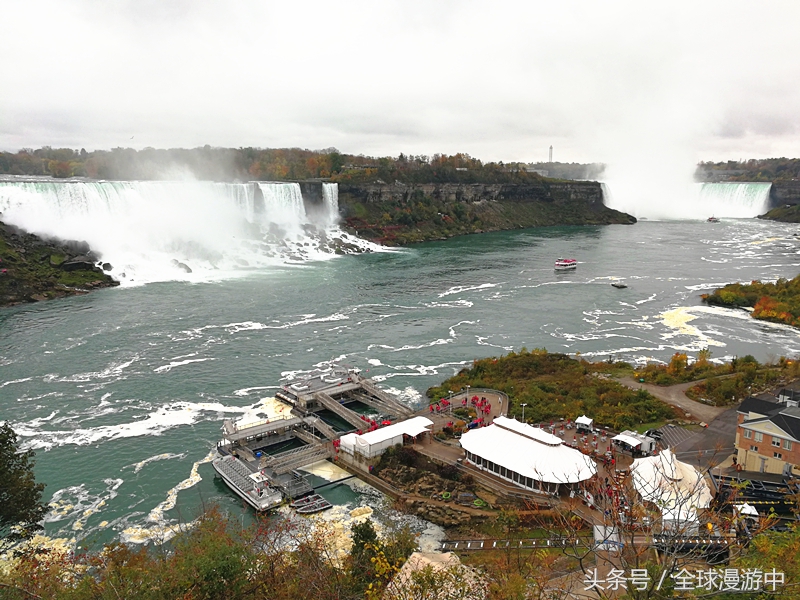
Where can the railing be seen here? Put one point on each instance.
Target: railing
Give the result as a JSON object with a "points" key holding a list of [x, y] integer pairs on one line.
{"points": [[320, 425]]}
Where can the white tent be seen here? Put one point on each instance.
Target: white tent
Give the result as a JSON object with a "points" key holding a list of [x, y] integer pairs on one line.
{"points": [[677, 488], [527, 452], [626, 437], [584, 422], [374, 443]]}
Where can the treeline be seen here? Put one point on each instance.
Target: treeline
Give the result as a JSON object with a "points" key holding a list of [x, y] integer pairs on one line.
{"points": [[720, 384], [276, 164], [778, 302], [554, 386], [765, 169]]}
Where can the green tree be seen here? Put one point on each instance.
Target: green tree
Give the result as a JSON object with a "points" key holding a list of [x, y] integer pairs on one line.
{"points": [[21, 507]]}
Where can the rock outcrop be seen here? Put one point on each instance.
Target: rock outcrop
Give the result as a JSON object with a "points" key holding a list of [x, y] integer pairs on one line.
{"points": [[398, 213], [32, 268]]}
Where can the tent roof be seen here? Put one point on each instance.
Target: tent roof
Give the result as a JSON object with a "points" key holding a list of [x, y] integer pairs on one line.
{"points": [[627, 439], [529, 451], [413, 427], [584, 420], [673, 485]]}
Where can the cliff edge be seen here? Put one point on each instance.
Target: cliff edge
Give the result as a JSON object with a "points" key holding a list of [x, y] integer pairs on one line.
{"points": [[398, 213], [33, 268]]}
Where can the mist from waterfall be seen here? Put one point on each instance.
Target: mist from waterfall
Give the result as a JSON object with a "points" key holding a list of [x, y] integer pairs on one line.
{"points": [[659, 200], [189, 230]]}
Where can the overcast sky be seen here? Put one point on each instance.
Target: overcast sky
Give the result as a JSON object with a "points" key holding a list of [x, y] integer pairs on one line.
{"points": [[612, 81]]}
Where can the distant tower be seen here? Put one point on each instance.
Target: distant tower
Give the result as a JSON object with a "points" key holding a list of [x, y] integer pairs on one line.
{"points": [[551, 154]]}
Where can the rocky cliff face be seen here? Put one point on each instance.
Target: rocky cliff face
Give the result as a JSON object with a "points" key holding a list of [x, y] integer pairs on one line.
{"points": [[33, 269], [784, 192], [399, 213]]}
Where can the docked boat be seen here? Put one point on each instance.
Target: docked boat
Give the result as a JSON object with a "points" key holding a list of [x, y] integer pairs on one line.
{"points": [[713, 219], [252, 487], [619, 285], [566, 264]]}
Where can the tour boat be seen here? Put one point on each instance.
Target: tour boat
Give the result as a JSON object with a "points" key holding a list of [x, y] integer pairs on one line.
{"points": [[713, 219], [566, 264]]}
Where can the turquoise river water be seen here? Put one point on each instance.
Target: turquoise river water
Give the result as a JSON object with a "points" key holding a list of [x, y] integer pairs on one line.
{"points": [[122, 392]]}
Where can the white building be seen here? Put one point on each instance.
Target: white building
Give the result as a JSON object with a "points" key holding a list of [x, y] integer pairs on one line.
{"points": [[526, 456], [375, 443]]}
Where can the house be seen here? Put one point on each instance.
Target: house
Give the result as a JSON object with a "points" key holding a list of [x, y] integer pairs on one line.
{"points": [[768, 435]]}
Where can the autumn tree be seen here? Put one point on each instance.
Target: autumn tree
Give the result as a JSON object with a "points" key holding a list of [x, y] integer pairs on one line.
{"points": [[21, 506]]}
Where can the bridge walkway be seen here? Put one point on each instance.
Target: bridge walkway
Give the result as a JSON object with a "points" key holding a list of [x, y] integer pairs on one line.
{"points": [[332, 405]]}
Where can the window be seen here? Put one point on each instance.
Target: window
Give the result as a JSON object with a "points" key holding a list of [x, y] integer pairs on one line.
{"points": [[787, 445], [754, 448], [748, 434], [759, 436], [777, 455], [776, 442]]}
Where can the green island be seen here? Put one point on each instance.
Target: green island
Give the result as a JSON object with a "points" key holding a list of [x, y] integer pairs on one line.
{"points": [[555, 386], [777, 302], [788, 213]]}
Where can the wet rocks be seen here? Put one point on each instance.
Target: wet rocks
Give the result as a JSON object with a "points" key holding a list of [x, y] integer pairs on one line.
{"points": [[38, 269]]}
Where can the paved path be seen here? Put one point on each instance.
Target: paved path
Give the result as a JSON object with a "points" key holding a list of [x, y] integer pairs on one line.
{"points": [[676, 396]]}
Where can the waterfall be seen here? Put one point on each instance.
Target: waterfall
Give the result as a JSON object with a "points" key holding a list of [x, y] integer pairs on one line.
{"points": [[330, 198], [165, 230], [736, 200], [283, 205], [693, 201]]}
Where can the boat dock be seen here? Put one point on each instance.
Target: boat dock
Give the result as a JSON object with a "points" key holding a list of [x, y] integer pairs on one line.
{"points": [[248, 462]]}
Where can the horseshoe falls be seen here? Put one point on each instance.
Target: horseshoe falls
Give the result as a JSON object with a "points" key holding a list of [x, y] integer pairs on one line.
{"points": [[151, 231], [734, 200]]}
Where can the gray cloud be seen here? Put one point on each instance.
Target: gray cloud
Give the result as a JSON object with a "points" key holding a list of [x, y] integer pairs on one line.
{"points": [[608, 81]]}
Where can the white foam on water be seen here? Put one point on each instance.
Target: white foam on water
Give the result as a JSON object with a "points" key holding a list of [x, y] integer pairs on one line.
{"points": [[166, 417], [13, 381], [408, 395], [160, 530], [450, 304], [76, 504], [247, 391], [166, 456], [179, 363], [464, 288], [452, 329]]}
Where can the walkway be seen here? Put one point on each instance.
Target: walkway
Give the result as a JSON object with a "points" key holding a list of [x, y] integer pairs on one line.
{"points": [[676, 396]]}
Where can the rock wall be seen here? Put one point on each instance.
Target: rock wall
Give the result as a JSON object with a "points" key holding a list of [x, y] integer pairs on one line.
{"points": [[397, 214], [784, 192], [586, 191]]}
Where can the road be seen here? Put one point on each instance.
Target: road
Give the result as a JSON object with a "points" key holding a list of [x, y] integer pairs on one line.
{"points": [[676, 396]]}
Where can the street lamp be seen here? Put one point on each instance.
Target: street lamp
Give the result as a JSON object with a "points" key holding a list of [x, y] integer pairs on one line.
{"points": [[523, 405]]}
